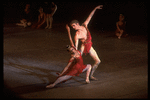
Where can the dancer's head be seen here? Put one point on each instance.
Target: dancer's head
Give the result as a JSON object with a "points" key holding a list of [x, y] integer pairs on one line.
{"points": [[71, 49], [121, 17], [75, 24], [27, 6], [40, 9]]}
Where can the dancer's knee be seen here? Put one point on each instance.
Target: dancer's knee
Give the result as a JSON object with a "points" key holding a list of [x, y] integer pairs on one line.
{"points": [[98, 62], [89, 66]]}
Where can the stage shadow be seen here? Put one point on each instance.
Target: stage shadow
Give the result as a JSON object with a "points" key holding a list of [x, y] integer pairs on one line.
{"points": [[43, 74]]}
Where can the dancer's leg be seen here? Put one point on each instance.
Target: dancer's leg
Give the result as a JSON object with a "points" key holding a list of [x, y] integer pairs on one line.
{"points": [[94, 55], [51, 21], [47, 21], [23, 23], [120, 34], [88, 69], [60, 79]]}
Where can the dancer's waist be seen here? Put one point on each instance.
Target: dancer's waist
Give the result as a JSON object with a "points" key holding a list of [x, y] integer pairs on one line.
{"points": [[86, 42]]}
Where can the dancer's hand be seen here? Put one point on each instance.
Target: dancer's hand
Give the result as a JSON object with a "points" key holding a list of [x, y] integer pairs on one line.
{"points": [[67, 27], [59, 74], [99, 7]]}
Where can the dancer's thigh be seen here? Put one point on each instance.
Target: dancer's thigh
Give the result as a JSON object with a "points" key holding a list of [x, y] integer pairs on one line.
{"points": [[93, 54], [87, 67]]}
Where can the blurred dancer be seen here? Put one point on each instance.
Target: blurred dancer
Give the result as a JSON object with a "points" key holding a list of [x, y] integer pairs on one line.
{"points": [[41, 19], [75, 65], [120, 26], [25, 17], [50, 11], [84, 35]]}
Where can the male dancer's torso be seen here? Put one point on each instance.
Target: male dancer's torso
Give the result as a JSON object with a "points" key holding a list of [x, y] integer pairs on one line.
{"points": [[85, 37], [82, 34]]}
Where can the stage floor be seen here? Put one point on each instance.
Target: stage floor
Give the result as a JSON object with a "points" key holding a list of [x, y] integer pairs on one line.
{"points": [[31, 58]]}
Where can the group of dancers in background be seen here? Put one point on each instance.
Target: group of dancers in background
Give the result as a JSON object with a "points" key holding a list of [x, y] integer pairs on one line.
{"points": [[46, 13], [45, 19]]}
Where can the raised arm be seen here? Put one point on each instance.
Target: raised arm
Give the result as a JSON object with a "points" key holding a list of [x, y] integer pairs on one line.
{"points": [[68, 29], [91, 14], [54, 10]]}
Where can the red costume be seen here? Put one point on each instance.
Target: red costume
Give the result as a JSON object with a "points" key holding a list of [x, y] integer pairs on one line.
{"points": [[88, 42], [76, 67]]}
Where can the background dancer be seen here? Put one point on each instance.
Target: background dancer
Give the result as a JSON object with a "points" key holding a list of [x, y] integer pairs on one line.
{"points": [[83, 33], [120, 26], [25, 17], [50, 11], [75, 65], [41, 19]]}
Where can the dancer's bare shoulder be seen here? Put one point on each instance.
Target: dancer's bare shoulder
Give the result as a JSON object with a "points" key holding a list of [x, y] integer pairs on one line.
{"points": [[81, 34]]}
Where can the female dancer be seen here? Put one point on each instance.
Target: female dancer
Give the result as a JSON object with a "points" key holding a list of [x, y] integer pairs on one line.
{"points": [[41, 19], [75, 65], [25, 17], [120, 26], [50, 10]]}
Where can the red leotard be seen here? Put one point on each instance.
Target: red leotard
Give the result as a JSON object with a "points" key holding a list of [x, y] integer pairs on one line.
{"points": [[76, 67]]}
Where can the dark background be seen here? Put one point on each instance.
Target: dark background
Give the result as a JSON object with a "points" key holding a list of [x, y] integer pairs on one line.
{"points": [[135, 13]]}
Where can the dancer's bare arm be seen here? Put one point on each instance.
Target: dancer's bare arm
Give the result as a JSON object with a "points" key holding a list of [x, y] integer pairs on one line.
{"points": [[68, 29], [43, 21], [119, 28], [91, 14], [55, 8], [65, 69], [76, 40]]}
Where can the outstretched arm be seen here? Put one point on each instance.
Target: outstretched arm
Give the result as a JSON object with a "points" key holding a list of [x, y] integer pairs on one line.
{"points": [[91, 14], [66, 68], [68, 29], [54, 10]]}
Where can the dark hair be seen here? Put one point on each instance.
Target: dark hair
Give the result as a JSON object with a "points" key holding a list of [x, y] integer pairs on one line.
{"points": [[68, 47], [74, 21]]}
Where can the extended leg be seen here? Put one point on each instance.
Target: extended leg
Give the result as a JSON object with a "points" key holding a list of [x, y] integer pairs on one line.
{"points": [[47, 21], [23, 23], [88, 69], [60, 79], [94, 55], [51, 21]]}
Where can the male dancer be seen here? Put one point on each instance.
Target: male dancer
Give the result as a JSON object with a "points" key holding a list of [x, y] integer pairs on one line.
{"points": [[84, 35]]}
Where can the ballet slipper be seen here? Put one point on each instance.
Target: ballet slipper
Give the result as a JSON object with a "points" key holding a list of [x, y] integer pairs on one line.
{"points": [[87, 81], [50, 86], [46, 27]]}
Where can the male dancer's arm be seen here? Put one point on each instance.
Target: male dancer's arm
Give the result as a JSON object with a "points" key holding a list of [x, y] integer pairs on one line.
{"points": [[76, 40], [91, 15], [68, 29]]}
